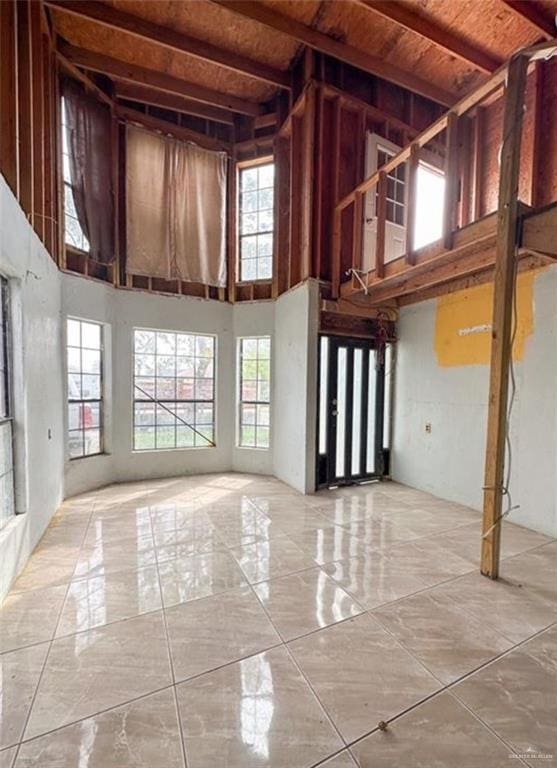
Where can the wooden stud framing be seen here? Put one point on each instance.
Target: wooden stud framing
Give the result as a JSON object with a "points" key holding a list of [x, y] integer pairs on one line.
{"points": [[452, 181], [9, 150], [477, 164], [155, 98], [25, 106], [504, 286], [381, 225], [412, 171]]}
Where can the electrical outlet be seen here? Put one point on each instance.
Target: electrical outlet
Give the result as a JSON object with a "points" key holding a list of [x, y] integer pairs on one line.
{"points": [[428, 428]]}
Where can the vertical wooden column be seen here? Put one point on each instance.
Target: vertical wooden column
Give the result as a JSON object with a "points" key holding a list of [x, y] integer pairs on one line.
{"points": [[504, 286], [477, 164], [411, 202], [381, 222], [307, 150], [337, 216], [9, 154], [25, 106], [38, 121], [451, 181]]}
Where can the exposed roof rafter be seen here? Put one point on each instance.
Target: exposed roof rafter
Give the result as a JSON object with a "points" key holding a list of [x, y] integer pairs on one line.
{"points": [[442, 38], [533, 14], [168, 38], [120, 70], [326, 44], [155, 98]]}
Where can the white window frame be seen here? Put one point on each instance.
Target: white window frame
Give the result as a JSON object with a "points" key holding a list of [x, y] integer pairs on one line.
{"points": [[241, 167], [256, 403], [172, 402], [100, 400]]}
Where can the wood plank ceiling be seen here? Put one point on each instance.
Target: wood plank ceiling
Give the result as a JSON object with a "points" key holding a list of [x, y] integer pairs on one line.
{"points": [[234, 55]]}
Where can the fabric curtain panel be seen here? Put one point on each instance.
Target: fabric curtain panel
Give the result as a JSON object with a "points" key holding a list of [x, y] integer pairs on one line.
{"points": [[89, 130], [176, 209]]}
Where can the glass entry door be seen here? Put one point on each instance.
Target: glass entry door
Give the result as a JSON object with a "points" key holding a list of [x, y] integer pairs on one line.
{"points": [[351, 411]]}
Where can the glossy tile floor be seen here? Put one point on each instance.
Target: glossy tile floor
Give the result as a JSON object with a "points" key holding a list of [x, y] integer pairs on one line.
{"points": [[229, 622]]}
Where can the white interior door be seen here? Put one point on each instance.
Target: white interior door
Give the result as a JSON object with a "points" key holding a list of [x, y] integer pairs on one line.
{"points": [[378, 152]]}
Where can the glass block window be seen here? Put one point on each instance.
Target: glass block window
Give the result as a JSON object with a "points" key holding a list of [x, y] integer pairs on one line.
{"points": [[396, 188], [73, 233], [174, 390], [255, 391], [7, 502], [85, 390], [256, 222]]}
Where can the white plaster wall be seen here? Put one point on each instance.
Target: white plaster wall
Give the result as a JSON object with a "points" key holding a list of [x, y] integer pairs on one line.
{"points": [[38, 388], [449, 462], [254, 319], [295, 355]]}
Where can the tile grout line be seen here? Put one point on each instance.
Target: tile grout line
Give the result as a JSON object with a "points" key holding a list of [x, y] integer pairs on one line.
{"points": [[47, 655]]}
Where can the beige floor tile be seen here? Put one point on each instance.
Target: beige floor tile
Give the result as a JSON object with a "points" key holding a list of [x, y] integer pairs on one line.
{"points": [[30, 617], [7, 757], [189, 578], [516, 696], [378, 533], [142, 734], [361, 674], [515, 611], [375, 579], [19, 676], [536, 571], [109, 556], [48, 567], [95, 670], [257, 712], [296, 519], [437, 734], [207, 633], [447, 641], [199, 538], [110, 597], [302, 602], [327, 545], [270, 559]]}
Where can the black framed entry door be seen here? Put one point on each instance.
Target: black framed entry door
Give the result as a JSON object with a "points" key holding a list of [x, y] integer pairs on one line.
{"points": [[350, 411]]}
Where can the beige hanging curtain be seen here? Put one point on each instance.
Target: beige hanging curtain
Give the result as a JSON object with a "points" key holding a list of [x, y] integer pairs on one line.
{"points": [[176, 209]]}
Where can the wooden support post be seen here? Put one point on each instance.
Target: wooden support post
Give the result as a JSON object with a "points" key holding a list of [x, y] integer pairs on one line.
{"points": [[538, 116], [281, 242], [451, 181], [307, 150], [357, 232], [411, 202], [25, 106], [477, 164], [38, 122], [504, 286], [381, 223], [335, 261]]}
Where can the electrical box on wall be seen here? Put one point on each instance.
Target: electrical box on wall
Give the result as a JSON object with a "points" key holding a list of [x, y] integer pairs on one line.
{"points": [[428, 428]]}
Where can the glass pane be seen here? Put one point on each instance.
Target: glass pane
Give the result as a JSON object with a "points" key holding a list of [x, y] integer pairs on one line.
{"points": [[91, 335], [341, 412], [184, 437], [389, 378], [371, 410], [185, 344], [91, 387], [75, 443], [357, 412], [144, 438], [74, 386], [165, 437], [262, 437], [144, 414], [90, 361], [74, 335], [7, 501], [166, 365], [166, 343], [92, 441], [323, 394], [74, 415], [430, 201], [144, 341], [203, 436], [74, 359]]}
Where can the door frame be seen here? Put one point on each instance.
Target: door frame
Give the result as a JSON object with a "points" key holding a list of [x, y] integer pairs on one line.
{"points": [[328, 465]]}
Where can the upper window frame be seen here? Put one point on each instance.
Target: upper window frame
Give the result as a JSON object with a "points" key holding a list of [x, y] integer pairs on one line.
{"points": [[241, 166]]}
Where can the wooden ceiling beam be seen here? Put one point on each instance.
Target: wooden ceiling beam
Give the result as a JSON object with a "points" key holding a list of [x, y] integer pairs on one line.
{"points": [[155, 98], [132, 73], [168, 38], [442, 38], [319, 41], [534, 15]]}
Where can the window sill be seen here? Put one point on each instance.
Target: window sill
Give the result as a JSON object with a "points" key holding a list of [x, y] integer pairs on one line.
{"points": [[88, 456], [252, 448], [140, 451]]}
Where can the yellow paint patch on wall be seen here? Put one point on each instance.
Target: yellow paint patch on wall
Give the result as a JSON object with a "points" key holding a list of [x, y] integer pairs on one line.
{"points": [[463, 323]]}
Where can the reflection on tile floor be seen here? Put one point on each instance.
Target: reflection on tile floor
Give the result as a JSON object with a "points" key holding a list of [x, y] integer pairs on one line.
{"points": [[226, 620]]}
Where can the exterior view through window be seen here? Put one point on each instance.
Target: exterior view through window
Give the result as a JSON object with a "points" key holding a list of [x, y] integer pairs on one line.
{"points": [[73, 233], [174, 390], [256, 221], [85, 395], [255, 391]]}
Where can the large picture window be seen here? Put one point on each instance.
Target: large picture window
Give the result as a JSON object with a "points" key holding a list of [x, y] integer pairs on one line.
{"points": [[174, 390], [256, 221], [85, 396], [255, 391]]}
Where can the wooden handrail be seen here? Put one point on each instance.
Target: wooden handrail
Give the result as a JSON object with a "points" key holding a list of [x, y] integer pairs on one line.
{"points": [[497, 80]]}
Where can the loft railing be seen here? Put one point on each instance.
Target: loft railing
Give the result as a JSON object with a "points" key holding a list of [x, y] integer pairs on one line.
{"points": [[448, 123]]}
